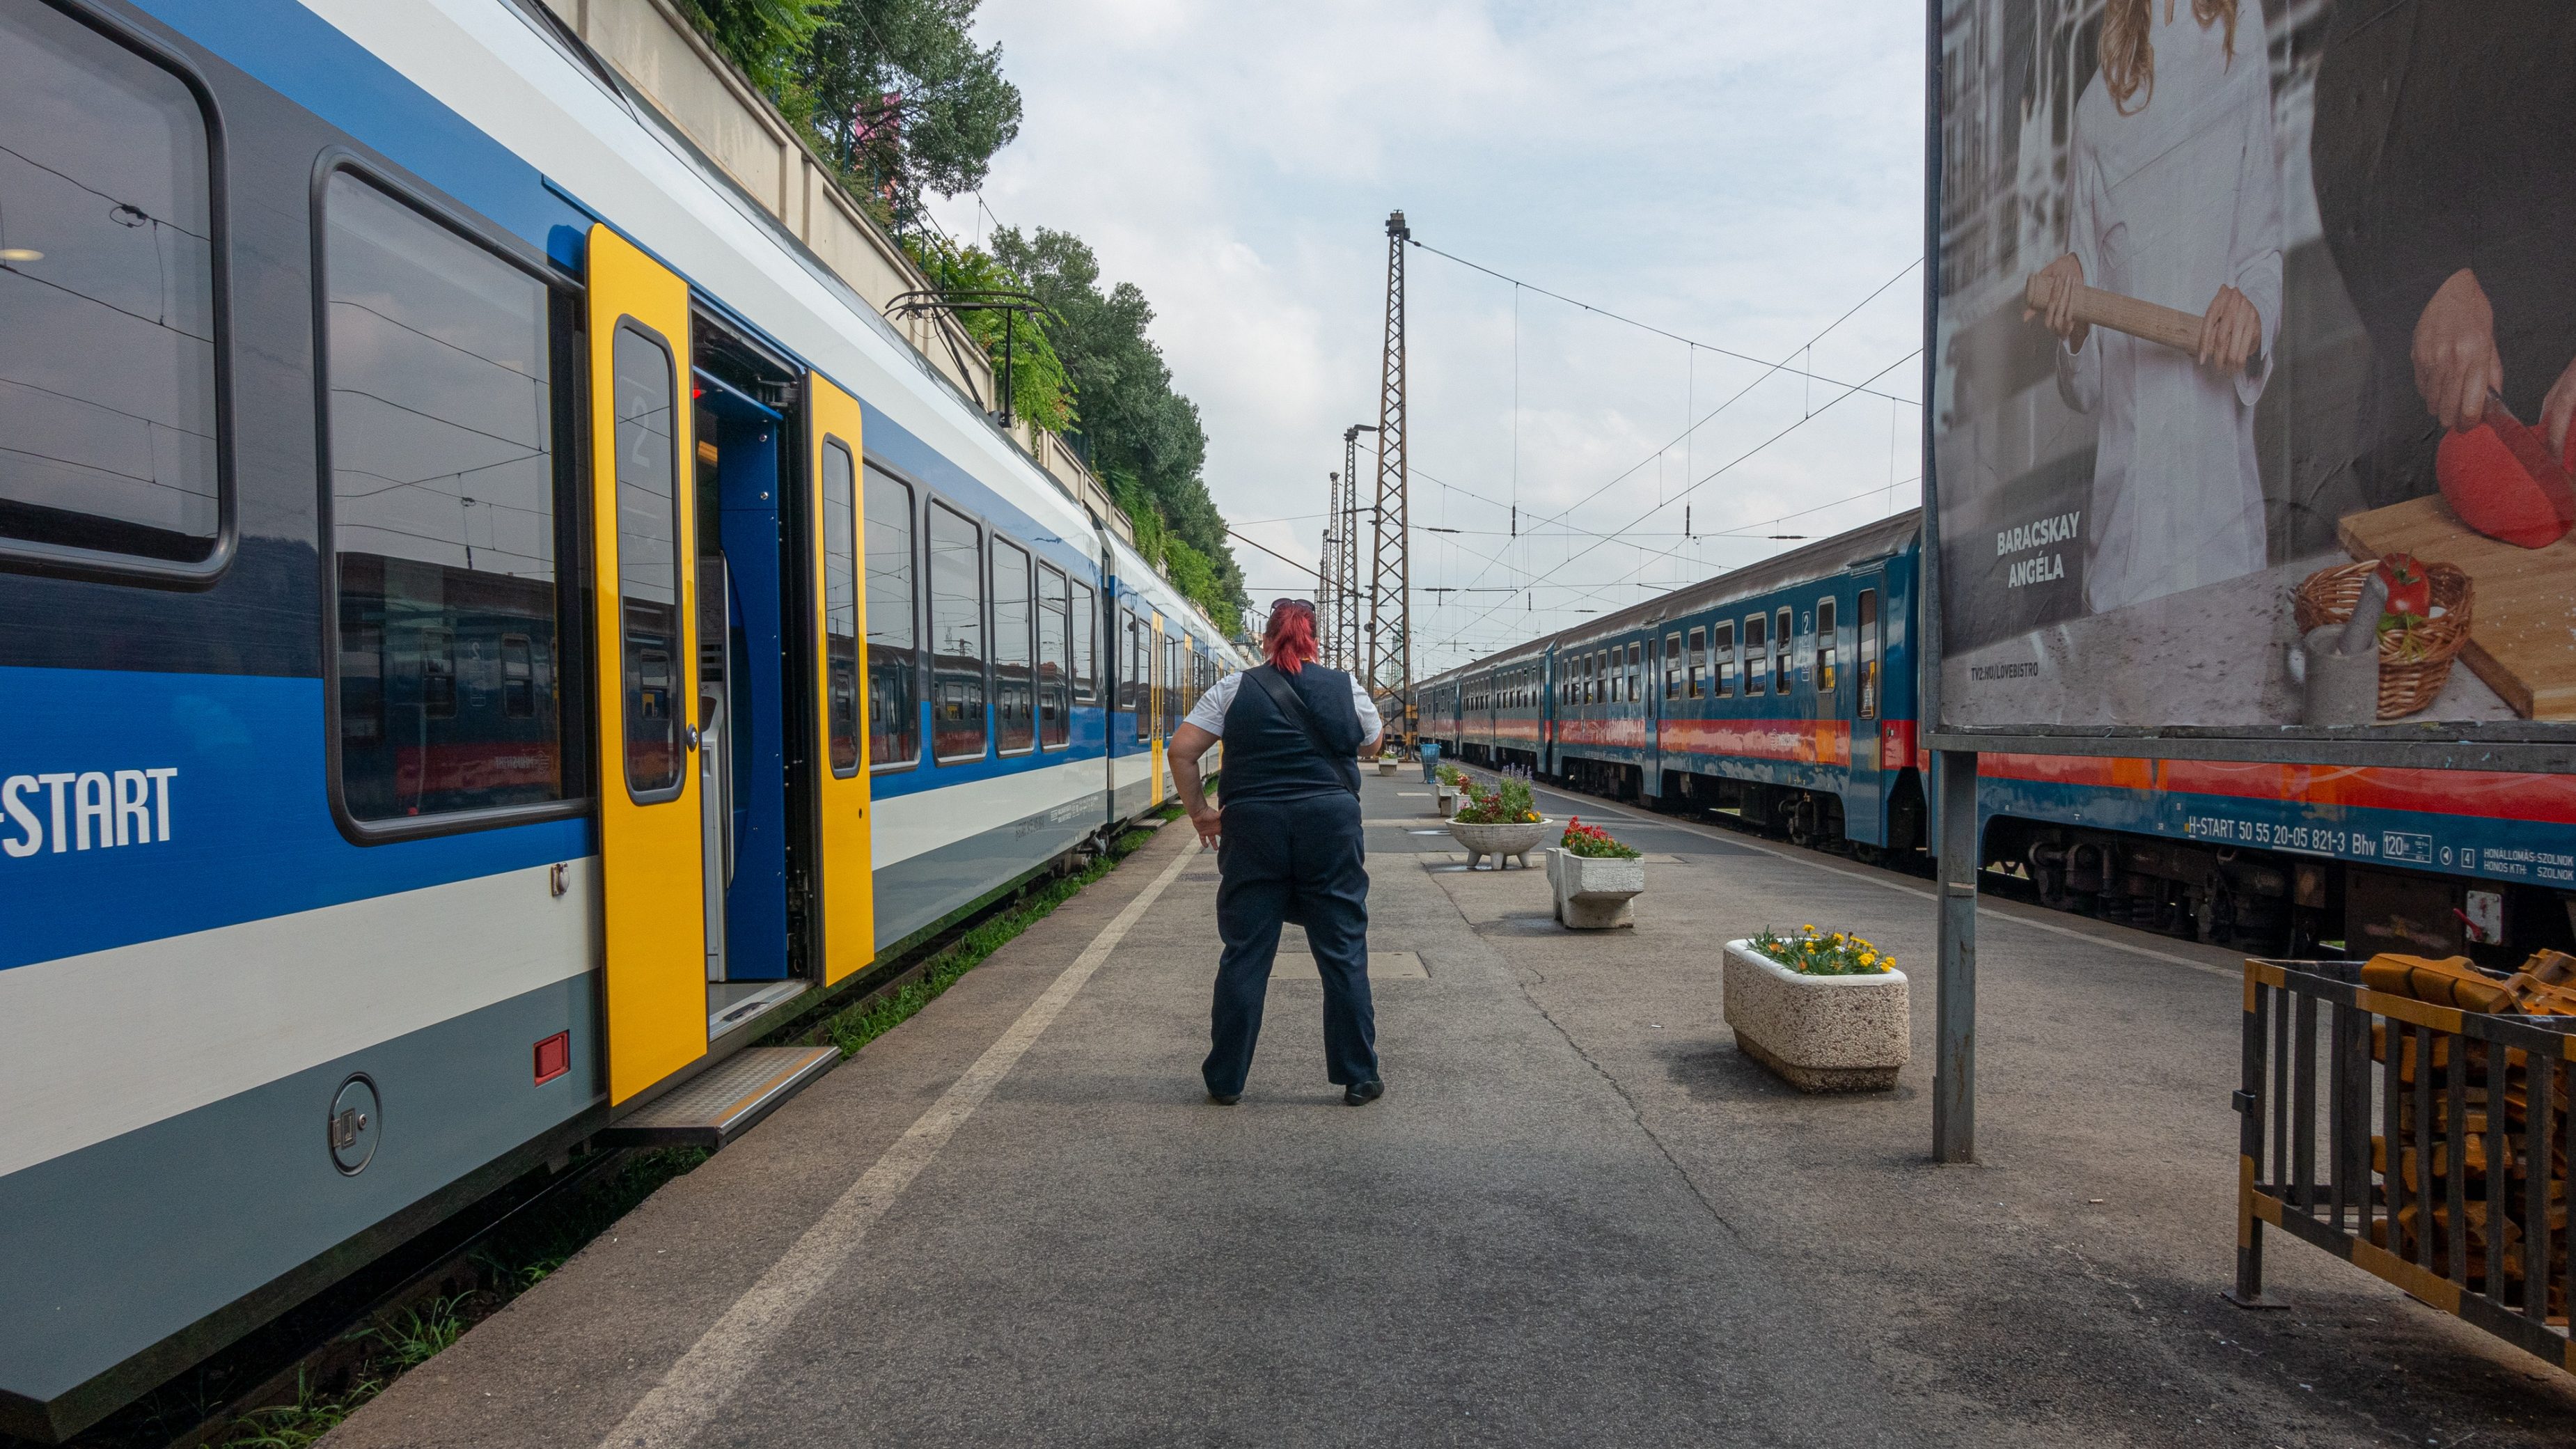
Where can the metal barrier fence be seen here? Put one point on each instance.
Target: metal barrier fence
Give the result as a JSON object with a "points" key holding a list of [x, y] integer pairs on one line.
{"points": [[2443, 1164]]}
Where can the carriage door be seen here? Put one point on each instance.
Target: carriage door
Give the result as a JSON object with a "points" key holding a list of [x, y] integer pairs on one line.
{"points": [[848, 887], [1864, 804], [653, 902], [1151, 721]]}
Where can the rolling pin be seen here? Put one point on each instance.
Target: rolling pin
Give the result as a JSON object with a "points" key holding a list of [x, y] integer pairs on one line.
{"points": [[2154, 323]]}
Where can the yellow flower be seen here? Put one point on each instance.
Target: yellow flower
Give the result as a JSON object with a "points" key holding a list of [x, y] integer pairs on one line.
{"points": [[1867, 957]]}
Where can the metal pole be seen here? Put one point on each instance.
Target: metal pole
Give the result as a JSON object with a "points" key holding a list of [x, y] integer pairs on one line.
{"points": [[1954, 1073], [1391, 573], [1328, 575]]}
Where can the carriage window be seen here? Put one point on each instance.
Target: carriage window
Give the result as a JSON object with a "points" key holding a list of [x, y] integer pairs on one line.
{"points": [[1014, 688], [840, 607], [1636, 673], [1869, 654], [107, 393], [648, 562], [1825, 646], [1721, 655], [894, 665], [1055, 656], [956, 635], [441, 429], [1756, 660], [1086, 644], [1697, 662], [1672, 666], [1784, 652], [1131, 697]]}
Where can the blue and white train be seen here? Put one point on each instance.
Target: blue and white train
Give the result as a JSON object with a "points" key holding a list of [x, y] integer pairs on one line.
{"points": [[485, 619]]}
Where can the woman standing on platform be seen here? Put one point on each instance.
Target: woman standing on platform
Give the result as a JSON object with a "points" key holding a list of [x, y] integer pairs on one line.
{"points": [[1288, 847]]}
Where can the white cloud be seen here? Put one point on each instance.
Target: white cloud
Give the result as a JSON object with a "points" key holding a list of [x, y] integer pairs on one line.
{"points": [[1739, 174]]}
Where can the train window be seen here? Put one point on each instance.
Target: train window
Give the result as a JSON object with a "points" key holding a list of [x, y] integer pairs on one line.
{"points": [[1868, 654], [1636, 673], [1721, 659], [1086, 644], [1756, 661], [648, 562], [1784, 652], [1698, 662], [107, 393], [841, 607], [1824, 646], [956, 635], [1055, 656], [1131, 697], [1672, 666], [441, 433], [894, 632], [1015, 716]]}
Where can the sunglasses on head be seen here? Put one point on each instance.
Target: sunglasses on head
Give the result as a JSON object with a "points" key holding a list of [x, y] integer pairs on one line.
{"points": [[1306, 604]]}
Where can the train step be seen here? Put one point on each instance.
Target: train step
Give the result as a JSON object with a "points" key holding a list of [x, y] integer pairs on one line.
{"points": [[724, 1103]]}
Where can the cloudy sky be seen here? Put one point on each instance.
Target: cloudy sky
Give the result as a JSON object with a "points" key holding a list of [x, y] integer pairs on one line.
{"points": [[1737, 174]]}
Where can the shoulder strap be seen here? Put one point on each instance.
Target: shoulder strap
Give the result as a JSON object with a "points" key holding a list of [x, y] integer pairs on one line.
{"points": [[1285, 696]]}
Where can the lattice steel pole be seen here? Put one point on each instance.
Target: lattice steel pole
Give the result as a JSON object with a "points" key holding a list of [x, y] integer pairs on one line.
{"points": [[1354, 653], [1328, 603], [1390, 664]]}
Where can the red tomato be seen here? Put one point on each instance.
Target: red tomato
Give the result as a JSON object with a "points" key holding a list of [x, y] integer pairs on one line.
{"points": [[2410, 590]]}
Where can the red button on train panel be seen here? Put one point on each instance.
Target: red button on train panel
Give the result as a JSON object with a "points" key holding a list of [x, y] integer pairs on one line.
{"points": [[554, 1057]]}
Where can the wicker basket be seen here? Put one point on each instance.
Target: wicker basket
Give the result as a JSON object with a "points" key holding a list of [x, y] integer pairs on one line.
{"points": [[2329, 596]]}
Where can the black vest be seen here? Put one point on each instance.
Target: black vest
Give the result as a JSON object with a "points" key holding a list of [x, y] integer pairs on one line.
{"points": [[1267, 753]]}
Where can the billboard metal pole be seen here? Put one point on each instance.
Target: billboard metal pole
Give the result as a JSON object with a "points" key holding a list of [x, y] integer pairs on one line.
{"points": [[1954, 1072]]}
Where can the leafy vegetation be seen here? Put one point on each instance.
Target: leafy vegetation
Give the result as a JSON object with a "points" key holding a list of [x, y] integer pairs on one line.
{"points": [[1592, 842], [1817, 954], [1509, 802], [1040, 392], [1450, 775]]}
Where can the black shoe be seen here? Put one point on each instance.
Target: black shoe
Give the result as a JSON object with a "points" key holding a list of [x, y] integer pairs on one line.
{"points": [[1225, 1099], [1360, 1094]]}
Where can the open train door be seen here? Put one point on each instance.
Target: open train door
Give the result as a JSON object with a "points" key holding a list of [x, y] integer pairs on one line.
{"points": [[653, 891], [844, 835]]}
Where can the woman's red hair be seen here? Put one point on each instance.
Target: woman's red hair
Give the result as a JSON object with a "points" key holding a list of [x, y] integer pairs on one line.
{"points": [[1290, 640]]}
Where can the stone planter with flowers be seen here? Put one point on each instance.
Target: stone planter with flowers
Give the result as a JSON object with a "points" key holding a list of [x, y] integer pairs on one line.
{"points": [[1596, 879], [1445, 797], [1827, 1012], [1502, 822]]}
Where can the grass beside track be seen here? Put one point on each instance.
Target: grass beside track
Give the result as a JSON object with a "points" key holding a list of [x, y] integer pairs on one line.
{"points": [[523, 1254]]}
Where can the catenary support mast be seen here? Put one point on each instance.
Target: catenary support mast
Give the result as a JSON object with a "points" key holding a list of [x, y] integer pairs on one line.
{"points": [[1390, 622], [1328, 603]]}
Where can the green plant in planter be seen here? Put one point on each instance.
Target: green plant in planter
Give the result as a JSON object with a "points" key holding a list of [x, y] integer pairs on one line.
{"points": [[1592, 842], [1510, 803], [1450, 775], [1814, 953]]}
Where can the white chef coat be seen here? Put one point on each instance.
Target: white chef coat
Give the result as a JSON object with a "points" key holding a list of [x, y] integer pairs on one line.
{"points": [[1209, 713], [2170, 201]]}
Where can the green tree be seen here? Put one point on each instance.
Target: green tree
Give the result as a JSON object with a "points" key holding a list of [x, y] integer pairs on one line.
{"points": [[767, 38], [1040, 392], [1140, 434], [899, 93]]}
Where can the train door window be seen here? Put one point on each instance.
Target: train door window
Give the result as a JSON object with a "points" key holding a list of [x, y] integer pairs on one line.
{"points": [[1131, 690], [1636, 672], [1086, 644], [1055, 658], [1756, 652], [1672, 666], [1825, 655], [956, 635], [518, 677], [1015, 717], [1868, 613], [1698, 662], [1784, 652], [648, 562], [841, 607], [441, 427], [894, 633], [107, 294]]}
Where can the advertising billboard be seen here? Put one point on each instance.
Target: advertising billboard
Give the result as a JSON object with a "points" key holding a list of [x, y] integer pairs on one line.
{"points": [[2254, 363]]}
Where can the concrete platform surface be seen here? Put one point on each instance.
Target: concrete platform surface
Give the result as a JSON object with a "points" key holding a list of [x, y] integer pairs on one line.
{"points": [[1579, 1216]]}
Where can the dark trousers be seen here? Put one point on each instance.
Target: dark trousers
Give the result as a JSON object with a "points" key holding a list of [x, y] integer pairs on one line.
{"points": [[1277, 856]]}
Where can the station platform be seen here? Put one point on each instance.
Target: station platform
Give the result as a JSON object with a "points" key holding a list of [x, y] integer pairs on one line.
{"points": [[1579, 1216]]}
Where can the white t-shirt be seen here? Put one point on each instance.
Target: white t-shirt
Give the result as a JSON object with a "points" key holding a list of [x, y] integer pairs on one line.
{"points": [[1209, 713]]}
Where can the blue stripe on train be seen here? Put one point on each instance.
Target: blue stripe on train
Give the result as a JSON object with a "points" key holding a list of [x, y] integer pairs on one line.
{"points": [[250, 833]]}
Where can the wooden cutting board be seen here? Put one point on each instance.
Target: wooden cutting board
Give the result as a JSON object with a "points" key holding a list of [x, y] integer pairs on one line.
{"points": [[2522, 605]]}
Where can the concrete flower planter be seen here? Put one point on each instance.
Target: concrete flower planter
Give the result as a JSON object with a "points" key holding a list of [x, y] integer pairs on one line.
{"points": [[1444, 801], [1819, 1033], [1595, 894], [1387, 767], [1502, 842]]}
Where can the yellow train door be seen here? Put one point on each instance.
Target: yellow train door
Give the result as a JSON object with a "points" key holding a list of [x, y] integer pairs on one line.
{"points": [[847, 879], [1153, 718], [651, 868]]}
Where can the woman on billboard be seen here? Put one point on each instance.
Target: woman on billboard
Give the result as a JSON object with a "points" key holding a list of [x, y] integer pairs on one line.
{"points": [[2176, 200]]}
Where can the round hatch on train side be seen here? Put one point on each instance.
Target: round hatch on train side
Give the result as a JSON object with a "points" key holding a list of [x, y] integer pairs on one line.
{"points": [[354, 1124]]}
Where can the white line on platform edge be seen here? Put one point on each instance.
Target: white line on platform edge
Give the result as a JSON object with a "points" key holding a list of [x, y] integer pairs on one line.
{"points": [[688, 1396]]}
